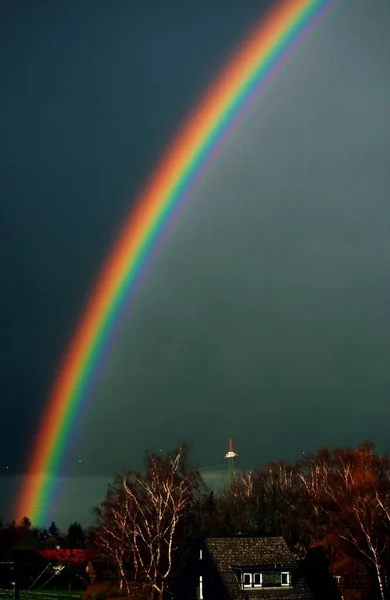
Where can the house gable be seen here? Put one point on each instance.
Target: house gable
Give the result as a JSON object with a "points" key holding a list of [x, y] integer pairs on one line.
{"points": [[261, 568]]}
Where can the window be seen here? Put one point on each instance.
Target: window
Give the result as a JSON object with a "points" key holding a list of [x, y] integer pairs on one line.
{"points": [[285, 578], [252, 580], [200, 554]]}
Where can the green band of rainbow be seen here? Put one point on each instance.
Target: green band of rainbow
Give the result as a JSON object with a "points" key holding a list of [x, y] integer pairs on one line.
{"points": [[247, 74]]}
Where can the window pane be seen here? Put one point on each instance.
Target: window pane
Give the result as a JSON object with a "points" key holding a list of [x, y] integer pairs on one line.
{"points": [[284, 578], [257, 579], [247, 579]]}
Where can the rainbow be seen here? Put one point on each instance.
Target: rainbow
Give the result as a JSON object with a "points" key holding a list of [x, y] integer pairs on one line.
{"points": [[246, 76]]}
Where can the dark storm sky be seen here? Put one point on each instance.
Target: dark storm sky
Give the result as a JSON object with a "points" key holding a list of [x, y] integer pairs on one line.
{"points": [[92, 92], [266, 316]]}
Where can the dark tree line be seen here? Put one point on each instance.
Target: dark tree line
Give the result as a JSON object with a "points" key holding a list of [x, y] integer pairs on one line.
{"points": [[336, 501], [25, 535]]}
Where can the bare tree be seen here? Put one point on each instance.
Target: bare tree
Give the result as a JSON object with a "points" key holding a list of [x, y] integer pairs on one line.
{"points": [[262, 502], [357, 488], [160, 499], [139, 521], [313, 475], [348, 489], [112, 536]]}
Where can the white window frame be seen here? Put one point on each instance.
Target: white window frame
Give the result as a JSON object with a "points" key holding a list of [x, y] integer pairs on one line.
{"points": [[247, 585], [200, 589], [257, 585], [288, 578]]}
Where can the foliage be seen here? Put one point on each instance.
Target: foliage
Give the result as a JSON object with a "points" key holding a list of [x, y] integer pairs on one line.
{"points": [[53, 530], [25, 522], [76, 536]]}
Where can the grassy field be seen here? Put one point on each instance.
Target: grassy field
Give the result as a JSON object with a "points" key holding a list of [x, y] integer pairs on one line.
{"points": [[43, 594]]}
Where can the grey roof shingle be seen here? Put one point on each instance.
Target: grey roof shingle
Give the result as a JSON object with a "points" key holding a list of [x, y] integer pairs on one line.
{"points": [[251, 552]]}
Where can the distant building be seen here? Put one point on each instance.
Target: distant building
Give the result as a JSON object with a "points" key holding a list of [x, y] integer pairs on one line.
{"points": [[230, 458]]}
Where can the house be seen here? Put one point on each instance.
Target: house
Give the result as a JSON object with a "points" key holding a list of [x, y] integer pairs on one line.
{"points": [[60, 568], [245, 568], [65, 556]]}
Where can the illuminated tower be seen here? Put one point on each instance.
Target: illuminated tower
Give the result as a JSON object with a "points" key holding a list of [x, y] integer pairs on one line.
{"points": [[230, 457]]}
